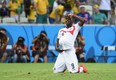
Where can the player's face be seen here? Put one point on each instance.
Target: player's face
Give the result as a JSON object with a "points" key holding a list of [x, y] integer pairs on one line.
{"points": [[69, 22]]}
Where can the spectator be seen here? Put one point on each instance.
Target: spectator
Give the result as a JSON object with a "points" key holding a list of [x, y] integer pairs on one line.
{"points": [[113, 14], [40, 47], [31, 15], [20, 7], [27, 4], [75, 8], [3, 43], [80, 43], [4, 11], [13, 6], [56, 14], [83, 13], [105, 8], [99, 18], [41, 10], [113, 17], [55, 4], [21, 51]]}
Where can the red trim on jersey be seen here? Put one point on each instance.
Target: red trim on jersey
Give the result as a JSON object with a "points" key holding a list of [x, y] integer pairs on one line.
{"points": [[71, 31]]}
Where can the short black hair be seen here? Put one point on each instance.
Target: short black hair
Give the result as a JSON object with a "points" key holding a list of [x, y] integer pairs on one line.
{"points": [[43, 32], [20, 38], [2, 29]]}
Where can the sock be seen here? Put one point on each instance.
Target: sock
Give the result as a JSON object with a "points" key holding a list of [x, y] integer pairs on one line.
{"points": [[80, 69]]}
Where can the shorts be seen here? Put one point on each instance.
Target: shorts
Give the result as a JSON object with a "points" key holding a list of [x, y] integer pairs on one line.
{"points": [[41, 18], [66, 60], [51, 21]]}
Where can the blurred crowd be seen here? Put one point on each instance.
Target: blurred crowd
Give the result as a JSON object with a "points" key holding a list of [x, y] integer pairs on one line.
{"points": [[20, 52], [54, 11]]}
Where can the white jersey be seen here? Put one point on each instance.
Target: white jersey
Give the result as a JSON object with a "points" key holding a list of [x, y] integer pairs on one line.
{"points": [[67, 36]]}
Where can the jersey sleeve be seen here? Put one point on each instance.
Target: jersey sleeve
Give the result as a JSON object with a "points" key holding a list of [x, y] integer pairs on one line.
{"points": [[59, 34], [77, 26]]}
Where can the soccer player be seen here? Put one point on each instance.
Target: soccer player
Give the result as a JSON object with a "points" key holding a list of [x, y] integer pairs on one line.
{"points": [[65, 46]]}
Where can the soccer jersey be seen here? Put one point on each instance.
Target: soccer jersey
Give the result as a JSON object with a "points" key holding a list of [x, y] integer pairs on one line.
{"points": [[67, 36]]}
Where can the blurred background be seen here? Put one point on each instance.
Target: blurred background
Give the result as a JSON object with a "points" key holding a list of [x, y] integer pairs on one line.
{"points": [[27, 18]]}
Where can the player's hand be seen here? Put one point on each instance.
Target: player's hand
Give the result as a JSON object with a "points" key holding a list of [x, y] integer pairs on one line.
{"points": [[57, 49]]}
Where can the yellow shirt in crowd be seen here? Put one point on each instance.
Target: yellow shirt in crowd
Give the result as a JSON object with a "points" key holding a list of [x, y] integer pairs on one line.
{"points": [[35, 1], [71, 2], [60, 13], [41, 6], [75, 9], [20, 2], [13, 7], [31, 16]]}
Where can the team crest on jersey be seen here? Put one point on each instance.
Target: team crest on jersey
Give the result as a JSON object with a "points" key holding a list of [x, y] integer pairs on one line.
{"points": [[63, 34]]}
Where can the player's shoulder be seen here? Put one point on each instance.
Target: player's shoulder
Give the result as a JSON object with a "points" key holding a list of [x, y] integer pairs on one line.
{"points": [[62, 29]]}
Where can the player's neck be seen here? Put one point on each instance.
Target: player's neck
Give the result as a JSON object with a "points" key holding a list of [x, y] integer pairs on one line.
{"points": [[68, 26]]}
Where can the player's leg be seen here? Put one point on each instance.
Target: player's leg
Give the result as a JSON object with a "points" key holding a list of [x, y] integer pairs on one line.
{"points": [[59, 65], [71, 61]]}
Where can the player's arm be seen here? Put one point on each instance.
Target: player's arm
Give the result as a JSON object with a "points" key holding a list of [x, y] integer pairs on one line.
{"points": [[57, 46], [81, 20]]}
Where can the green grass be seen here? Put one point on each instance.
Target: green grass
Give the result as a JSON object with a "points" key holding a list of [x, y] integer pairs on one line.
{"points": [[43, 71]]}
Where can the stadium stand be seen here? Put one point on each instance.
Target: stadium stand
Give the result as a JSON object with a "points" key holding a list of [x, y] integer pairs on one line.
{"points": [[89, 9], [8, 20], [23, 20], [23, 14]]}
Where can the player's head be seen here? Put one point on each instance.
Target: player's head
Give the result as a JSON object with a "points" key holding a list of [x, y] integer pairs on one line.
{"points": [[69, 21]]}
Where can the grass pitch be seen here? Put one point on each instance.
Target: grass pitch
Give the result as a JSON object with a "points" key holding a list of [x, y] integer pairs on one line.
{"points": [[43, 71]]}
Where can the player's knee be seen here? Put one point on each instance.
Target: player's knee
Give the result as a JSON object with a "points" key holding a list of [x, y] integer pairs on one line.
{"points": [[57, 71]]}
